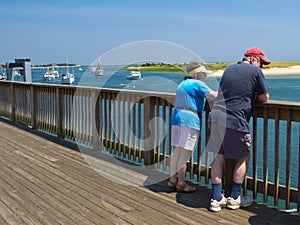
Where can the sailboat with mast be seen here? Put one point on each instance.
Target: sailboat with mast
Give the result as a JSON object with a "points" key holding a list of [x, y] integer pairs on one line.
{"points": [[97, 69], [68, 77]]}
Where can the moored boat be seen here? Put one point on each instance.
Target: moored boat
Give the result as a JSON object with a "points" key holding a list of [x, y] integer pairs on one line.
{"points": [[67, 78], [98, 70], [48, 76], [134, 75]]}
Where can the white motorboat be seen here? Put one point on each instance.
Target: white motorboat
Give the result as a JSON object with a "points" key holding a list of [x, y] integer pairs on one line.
{"points": [[67, 78], [134, 75], [54, 72], [3, 76], [50, 75]]}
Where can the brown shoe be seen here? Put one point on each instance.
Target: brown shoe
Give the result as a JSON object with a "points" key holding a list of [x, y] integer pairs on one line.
{"points": [[185, 188]]}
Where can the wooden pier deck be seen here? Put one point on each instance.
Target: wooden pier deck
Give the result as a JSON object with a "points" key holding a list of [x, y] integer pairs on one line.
{"points": [[43, 180]]}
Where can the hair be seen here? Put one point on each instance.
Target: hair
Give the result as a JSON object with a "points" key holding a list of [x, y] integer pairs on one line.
{"points": [[190, 67], [193, 65], [246, 58]]}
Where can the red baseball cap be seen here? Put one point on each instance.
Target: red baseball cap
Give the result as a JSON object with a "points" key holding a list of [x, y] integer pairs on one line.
{"points": [[259, 53]]}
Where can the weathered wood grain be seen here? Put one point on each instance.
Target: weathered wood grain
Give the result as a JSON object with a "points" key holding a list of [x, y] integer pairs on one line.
{"points": [[45, 182]]}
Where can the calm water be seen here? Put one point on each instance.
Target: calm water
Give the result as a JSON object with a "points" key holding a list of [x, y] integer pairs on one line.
{"points": [[285, 88]]}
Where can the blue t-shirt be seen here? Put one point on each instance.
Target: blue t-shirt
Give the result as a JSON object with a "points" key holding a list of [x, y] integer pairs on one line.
{"points": [[190, 93], [235, 100]]}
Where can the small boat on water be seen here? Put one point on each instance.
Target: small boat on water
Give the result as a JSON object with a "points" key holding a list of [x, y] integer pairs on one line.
{"points": [[3, 76], [50, 75], [134, 75], [54, 72], [67, 78], [97, 69]]}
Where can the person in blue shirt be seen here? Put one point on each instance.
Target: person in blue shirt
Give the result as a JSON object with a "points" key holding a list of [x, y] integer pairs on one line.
{"points": [[240, 86], [186, 122]]}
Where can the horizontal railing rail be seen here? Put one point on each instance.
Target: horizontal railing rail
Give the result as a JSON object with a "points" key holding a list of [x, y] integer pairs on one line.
{"points": [[136, 126]]}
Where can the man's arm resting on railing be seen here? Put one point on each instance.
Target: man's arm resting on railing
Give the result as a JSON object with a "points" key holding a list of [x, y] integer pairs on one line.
{"points": [[263, 98]]}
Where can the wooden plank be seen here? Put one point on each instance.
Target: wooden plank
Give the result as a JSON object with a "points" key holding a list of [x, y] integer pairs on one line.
{"points": [[7, 216], [61, 183], [38, 193], [23, 203], [95, 191], [59, 193], [105, 187], [85, 184]]}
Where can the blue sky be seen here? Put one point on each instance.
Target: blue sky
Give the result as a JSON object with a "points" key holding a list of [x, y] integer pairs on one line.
{"points": [[216, 30]]}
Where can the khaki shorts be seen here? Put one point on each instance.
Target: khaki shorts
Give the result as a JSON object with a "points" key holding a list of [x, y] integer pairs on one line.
{"points": [[184, 137], [230, 143]]}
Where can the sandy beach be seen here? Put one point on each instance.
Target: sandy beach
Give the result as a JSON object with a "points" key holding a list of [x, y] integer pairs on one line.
{"points": [[292, 70]]}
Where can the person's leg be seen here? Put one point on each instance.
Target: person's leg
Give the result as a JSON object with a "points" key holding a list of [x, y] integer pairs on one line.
{"points": [[175, 138], [185, 139], [239, 176], [218, 201], [182, 160], [235, 200], [216, 176], [173, 167], [237, 146], [242, 150], [240, 169], [181, 165]]}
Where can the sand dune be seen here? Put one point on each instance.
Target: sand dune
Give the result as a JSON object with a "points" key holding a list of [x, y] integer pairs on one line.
{"points": [[292, 70]]}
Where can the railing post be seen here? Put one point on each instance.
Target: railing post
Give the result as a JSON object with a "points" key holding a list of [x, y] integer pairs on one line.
{"points": [[13, 102], [288, 159], [148, 131], [95, 118], [33, 103], [298, 192], [265, 154], [254, 156], [59, 112]]}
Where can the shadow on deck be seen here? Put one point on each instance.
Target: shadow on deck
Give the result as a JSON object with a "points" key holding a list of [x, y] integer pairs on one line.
{"points": [[45, 180]]}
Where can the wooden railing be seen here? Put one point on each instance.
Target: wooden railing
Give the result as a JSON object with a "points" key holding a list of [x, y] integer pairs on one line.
{"points": [[135, 126]]}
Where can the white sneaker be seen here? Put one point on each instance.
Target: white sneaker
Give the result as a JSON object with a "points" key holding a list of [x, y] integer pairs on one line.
{"points": [[241, 201], [217, 206]]}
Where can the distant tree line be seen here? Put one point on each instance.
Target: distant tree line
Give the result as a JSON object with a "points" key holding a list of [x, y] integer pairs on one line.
{"points": [[2, 66], [160, 64], [55, 64]]}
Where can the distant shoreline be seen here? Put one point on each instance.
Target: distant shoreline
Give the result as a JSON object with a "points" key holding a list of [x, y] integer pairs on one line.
{"points": [[277, 68], [274, 71], [46, 67], [292, 70]]}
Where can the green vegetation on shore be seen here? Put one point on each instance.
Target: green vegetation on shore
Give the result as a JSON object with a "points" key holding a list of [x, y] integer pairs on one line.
{"points": [[283, 64], [54, 65], [161, 67]]}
